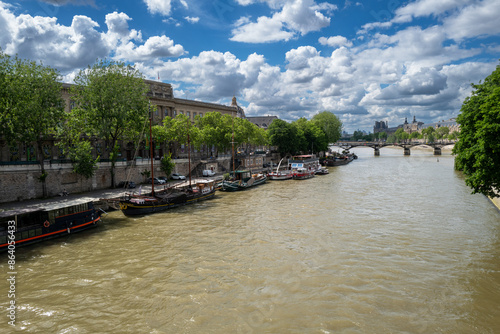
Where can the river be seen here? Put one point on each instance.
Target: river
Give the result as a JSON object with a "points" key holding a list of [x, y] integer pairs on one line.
{"points": [[387, 244]]}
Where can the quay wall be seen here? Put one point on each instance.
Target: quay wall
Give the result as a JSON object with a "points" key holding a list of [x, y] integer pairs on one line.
{"points": [[20, 182]]}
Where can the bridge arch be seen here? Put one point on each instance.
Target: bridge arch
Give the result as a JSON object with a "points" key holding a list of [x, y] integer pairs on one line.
{"points": [[376, 146]]}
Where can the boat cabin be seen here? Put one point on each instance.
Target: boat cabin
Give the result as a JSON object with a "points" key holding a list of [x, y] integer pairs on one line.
{"points": [[243, 175], [308, 162]]}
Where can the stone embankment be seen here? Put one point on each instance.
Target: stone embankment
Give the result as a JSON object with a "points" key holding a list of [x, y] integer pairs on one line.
{"points": [[88, 196]]}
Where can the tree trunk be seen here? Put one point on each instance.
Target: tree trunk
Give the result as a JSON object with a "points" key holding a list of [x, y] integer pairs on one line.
{"points": [[40, 159]]}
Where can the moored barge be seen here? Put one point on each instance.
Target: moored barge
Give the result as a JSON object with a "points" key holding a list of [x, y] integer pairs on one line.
{"points": [[28, 226]]}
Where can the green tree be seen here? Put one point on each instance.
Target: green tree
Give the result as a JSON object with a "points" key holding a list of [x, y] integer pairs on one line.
{"points": [[283, 135], [453, 136], [330, 124], [31, 106], [311, 138], [382, 135], [399, 134], [110, 104], [167, 165], [414, 135], [442, 132], [429, 134], [82, 158], [247, 134], [357, 135], [215, 130], [405, 136], [369, 137], [478, 147]]}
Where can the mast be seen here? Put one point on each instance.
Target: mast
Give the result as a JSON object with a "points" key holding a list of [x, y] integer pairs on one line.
{"points": [[232, 147], [151, 152], [189, 155], [278, 168]]}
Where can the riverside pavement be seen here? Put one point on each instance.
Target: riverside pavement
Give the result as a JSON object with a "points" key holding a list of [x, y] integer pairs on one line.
{"points": [[84, 197]]}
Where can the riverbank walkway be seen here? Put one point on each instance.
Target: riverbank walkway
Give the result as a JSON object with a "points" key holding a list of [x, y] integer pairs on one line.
{"points": [[90, 196]]}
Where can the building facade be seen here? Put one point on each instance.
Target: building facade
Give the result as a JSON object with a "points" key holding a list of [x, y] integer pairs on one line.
{"points": [[161, 95], [415, 126]]}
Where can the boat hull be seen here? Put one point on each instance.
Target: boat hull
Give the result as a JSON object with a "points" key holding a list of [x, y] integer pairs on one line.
{"points": [[241, 185], [279, 176], [303, 176], [46, 226], [131, 208]]}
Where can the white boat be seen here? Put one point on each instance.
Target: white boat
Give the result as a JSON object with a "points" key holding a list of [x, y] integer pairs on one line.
{"points": [[280, 175], [321, 171], [303, 166]]}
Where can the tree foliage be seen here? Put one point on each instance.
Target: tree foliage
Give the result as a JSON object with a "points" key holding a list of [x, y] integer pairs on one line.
{"points": [[83, 161], [478, 147], [166, 164], [330, 124], [283, 135], [31, 106], [215, 130], [110, 104]]}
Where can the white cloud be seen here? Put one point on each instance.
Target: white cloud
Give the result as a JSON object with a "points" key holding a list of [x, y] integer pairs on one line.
{"points": [[59, 46], [477, 20], [423, 8], [335, 41], [303, 16], [265, 30], [295, 17], [118, 28], [154, 48], [192, 19], [73, 2], [81, 43], [162, 7]]}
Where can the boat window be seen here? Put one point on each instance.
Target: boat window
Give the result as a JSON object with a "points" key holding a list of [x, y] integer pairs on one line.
{"points": [[52, 217], [4, 223], [3, 239], [29, 219], [38, 231], [31, 233], [25, 235]]}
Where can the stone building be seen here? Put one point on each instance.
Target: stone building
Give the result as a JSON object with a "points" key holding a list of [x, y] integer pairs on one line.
{"points": [[262, 121], [415, 126], [161, 95], [19, 170]]}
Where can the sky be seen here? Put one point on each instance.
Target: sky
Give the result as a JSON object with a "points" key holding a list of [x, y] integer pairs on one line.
{"points": [[365, 61]]}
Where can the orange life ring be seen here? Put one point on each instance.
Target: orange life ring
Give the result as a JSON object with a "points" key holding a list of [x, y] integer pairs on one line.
{"points": [[46, 223]]}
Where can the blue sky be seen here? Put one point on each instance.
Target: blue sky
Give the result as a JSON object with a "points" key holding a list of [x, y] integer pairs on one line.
{"points": [[365, 61]]}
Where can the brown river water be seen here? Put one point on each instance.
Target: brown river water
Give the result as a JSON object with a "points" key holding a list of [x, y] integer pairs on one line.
{"points": [[387, 244]]}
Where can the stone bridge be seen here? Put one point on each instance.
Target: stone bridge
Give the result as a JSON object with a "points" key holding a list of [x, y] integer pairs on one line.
{"points": [[377, 145]]}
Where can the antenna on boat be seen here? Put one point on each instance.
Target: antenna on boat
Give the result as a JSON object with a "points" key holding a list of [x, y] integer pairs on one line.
{"points": [[189, 152], [151, 151], [232, 145]]}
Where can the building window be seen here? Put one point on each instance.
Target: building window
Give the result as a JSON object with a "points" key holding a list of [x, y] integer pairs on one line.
{"points": [[188, 114], [194, 114]]}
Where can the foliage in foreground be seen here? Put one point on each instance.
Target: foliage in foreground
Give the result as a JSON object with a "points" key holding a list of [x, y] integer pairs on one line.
{"points": [[478, 148]]}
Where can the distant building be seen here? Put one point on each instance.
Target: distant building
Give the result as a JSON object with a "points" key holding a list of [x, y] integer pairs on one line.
{"points": [[383, 126], [262, 121], [451, 124], [415, 126]]}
